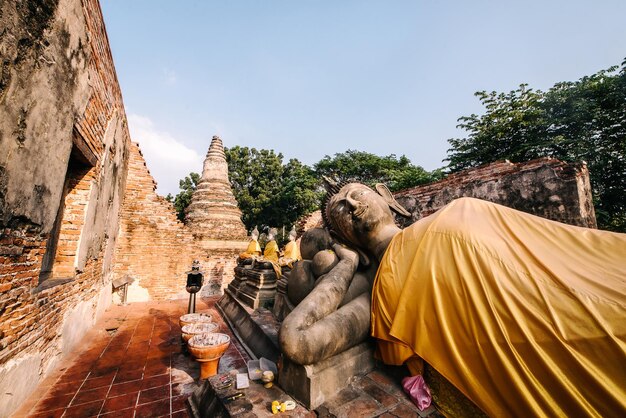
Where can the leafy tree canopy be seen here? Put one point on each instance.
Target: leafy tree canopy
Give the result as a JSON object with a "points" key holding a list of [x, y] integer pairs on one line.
{"points": [[396, 173], [573, 121], [183, 198], [270, 193]]}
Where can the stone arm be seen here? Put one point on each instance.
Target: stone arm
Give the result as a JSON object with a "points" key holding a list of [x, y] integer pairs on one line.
{"points": [[318, 328]]}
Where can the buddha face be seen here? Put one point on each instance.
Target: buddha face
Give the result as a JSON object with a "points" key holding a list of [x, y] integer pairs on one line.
{"points": [[357, 213]]}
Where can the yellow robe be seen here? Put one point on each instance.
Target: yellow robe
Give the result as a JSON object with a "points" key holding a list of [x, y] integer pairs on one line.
{"points": [[254, 248], [292, 251], [271, 251], [525, 316]]}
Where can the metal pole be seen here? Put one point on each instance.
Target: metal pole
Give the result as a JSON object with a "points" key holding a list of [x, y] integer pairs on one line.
{"points": [[192, 303]]}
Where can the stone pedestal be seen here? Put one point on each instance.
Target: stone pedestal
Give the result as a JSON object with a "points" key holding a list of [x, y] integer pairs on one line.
{"points": [[315, 383], [257, 330], [259, 289], [210, 400], [282, 306], [240, 278]]}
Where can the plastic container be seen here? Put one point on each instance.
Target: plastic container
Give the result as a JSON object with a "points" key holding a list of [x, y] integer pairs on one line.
{"points": [[267, 365], [254, 370]]}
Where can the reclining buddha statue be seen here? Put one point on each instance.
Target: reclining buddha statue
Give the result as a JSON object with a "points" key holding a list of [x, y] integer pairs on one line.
{"points": [[523, 315]]}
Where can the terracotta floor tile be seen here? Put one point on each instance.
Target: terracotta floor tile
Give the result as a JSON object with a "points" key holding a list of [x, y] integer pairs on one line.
{"points": [[57, 413], [154, 409], [179, 402], [84, 396], [97, 382], [89, 409], [124, 375], [146, 343], [73, 377], [124, 413], [154, 394], [102, 370], [81, 367], [156, 370], [64, 388], [180, 414], [126, 387], [155, 381], [54, 402], [120, 402]]}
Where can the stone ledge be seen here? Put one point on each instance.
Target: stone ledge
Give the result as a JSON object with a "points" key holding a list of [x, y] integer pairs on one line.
{"points": [[314, 384]]}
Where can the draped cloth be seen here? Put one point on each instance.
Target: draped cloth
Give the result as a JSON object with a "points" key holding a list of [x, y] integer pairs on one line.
{"points": [[525, 316]]}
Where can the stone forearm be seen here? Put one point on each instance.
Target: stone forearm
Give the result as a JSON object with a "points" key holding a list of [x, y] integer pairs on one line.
{"points": [[316, 329]]}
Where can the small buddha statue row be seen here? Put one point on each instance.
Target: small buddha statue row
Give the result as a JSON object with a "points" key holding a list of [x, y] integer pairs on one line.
{"points": [[271, 253]]}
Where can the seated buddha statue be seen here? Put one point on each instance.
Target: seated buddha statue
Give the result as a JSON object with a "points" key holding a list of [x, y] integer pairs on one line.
{"points": [[254, 249], [270, 253], [291, 252]]}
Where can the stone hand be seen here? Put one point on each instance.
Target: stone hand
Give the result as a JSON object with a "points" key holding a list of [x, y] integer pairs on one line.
{"points": [[347, 254]]}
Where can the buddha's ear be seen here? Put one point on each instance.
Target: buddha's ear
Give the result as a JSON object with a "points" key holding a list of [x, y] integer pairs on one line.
{"points": [[391, 201]]}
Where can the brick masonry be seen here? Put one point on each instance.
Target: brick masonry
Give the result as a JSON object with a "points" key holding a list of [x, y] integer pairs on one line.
{"points": [[155, 249], [64, 125], [544, 187]]}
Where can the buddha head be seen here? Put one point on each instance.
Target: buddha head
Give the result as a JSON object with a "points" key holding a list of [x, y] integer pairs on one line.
{"points": [[255, 233], [357, 214], [293, 234]]}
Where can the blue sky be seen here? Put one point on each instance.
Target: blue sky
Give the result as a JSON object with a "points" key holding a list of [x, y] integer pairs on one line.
{"points": [[313, 78]]}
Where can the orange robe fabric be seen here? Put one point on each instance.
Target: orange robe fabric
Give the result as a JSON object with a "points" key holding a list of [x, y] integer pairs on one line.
{"points": [[526, 316]]}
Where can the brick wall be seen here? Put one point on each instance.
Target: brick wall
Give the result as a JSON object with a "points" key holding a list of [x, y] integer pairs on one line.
{"points": [[544, 187], [153, 247], [60, 105], [156, 250]]}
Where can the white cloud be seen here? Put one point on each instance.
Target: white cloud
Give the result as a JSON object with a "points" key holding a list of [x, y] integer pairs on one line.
{"points": [[170, 76], [167, 158]]}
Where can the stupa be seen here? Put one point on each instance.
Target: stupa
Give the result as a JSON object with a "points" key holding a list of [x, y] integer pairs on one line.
{"points": [[213, 213]]}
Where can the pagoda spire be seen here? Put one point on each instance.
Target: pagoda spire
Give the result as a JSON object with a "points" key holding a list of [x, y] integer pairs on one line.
{"points": [[213, 212]]}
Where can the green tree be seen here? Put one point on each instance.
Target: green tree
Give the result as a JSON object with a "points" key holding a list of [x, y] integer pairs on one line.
{"points": [[397, 173], [573, 121], [268, 192], [183, 198]]}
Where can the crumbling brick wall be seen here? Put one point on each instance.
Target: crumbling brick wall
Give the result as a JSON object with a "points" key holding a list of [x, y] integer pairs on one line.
{"points": [[63, 151], [155, 249], [544, 187]]}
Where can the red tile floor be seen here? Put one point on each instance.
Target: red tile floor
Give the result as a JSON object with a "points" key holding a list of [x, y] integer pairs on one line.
{"points": [[130, 365]]}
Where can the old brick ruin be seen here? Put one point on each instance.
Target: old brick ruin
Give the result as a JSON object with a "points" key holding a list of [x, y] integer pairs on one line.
{"points": [[155, 249], [79, 210], [544, 187], [78, 207], [63, 159]]}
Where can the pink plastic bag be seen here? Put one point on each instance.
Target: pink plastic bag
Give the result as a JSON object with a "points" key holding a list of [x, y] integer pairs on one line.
{"points": [[418, 391]]}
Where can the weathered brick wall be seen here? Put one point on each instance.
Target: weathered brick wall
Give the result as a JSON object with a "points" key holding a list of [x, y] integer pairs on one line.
{"points": [[153, 247], [544, 187], [59, 99], [156, 250]]}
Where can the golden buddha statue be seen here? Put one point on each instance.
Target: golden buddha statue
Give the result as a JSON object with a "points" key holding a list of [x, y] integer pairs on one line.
{"points": [[291, 252], [254, 249], [271, 248]]}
